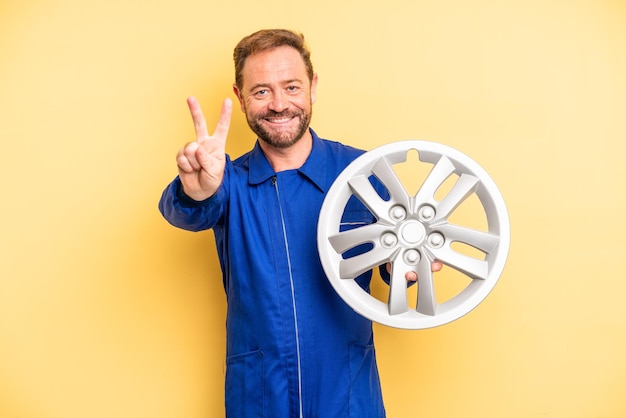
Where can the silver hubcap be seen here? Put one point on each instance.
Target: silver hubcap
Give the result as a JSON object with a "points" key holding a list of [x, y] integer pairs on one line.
{"points": [[411, 231]]}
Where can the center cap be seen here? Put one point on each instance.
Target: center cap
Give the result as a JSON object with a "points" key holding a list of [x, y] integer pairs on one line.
{"points": [[413, 232]]}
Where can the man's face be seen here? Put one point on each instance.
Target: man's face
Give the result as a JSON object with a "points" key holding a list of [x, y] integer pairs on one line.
{"points": [[277, 96]]}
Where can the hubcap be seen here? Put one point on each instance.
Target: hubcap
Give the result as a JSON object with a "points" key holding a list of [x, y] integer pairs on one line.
{"points": [[412, 231]]}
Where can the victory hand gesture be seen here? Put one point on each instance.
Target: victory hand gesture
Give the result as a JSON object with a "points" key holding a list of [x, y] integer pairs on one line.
{"points": [[201, 162]]}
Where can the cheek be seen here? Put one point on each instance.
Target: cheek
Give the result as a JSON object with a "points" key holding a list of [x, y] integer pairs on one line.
{"points": [[303, 101], [250, 107], [309, 98]]}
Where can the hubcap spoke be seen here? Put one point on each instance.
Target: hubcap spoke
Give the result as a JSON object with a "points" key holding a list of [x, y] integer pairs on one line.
{"points": [[426, 299], [439, 174], [384, 172], [480, 240], [398, 301], [352, 267], [463, 188], [343, 241], [363, 189], [472, 267]]}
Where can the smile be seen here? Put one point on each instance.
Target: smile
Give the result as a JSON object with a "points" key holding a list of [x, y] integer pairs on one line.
{"points": [[284, 119]]}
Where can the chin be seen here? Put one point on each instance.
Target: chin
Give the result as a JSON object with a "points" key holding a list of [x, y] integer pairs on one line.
{"points": [[280, 142]]}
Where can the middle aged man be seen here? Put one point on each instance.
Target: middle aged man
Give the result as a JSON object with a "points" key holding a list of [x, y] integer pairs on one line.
{"points": [[294, 348]]}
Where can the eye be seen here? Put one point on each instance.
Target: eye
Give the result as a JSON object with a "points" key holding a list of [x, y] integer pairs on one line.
{"points": [[292, 89], [261, 93]]}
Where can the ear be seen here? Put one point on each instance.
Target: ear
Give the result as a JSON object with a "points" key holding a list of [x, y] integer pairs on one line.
{"points": [[240, 97], [313, 88]]}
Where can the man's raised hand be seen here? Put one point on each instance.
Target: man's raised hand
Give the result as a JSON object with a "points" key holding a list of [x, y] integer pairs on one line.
{"points": [[201, 162]]}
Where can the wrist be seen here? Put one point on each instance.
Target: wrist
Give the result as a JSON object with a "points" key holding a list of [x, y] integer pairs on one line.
{"points": [[193, 200], [196, 197]]}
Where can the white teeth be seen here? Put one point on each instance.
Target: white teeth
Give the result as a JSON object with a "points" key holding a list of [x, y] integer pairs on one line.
{"points": [[281, 120]]}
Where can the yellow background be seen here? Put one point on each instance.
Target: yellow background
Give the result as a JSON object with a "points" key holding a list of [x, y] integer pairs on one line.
{"points": [[107, 311]]}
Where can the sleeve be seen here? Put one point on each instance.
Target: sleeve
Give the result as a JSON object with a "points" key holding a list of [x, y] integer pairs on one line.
{"points": [[185, 213]]}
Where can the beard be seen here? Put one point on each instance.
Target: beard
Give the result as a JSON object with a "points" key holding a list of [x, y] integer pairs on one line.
{"points": [[284, 138]]}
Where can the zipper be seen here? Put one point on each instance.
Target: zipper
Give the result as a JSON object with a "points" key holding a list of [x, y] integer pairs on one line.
{"points": [[293, 293]]}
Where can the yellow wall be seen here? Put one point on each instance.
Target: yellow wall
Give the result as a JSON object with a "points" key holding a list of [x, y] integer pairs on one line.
{"points": [[107, 311]]}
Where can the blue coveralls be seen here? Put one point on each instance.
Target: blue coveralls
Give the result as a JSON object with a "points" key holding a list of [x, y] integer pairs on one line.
{"points": [[294, 348]]}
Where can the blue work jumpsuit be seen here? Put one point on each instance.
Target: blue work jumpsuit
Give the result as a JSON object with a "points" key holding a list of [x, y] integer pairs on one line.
{"points": [[294, 348]]}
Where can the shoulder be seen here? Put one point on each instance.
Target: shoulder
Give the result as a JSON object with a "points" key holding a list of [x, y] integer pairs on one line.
{"points": [[341, 147], [338, 150]]}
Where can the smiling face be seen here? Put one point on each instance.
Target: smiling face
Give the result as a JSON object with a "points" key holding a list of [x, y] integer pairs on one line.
{"points": [[277, 96]]}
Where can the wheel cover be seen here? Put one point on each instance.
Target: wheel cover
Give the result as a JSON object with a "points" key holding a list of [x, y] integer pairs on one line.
{"points": [[410, 232]]}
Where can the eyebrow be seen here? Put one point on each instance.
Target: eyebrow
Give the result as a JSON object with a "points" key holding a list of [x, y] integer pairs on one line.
{"points": [[266, 85]]}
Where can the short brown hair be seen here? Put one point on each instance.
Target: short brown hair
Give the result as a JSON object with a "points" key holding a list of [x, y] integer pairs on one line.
{"points": [[267, 39]]}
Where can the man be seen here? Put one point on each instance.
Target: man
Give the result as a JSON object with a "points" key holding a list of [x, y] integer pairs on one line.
{"points": [[294, 348]]}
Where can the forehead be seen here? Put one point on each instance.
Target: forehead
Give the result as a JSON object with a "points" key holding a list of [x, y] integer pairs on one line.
{"points": [[274, 66]]}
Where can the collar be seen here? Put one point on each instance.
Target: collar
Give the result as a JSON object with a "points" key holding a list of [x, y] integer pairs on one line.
{"points": [[314, 168]]}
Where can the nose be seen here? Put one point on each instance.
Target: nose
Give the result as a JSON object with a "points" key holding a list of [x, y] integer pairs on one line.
{"points": [[279, 102]]}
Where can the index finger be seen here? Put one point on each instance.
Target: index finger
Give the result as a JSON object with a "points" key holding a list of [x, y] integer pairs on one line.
{"points": [[198, 118]]}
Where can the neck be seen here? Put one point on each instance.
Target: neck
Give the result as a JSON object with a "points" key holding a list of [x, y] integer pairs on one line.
{"points": [[289, 158]]}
